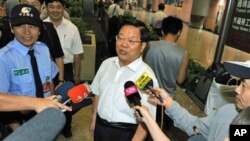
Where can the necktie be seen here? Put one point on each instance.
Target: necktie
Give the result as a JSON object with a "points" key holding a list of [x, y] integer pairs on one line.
{"points": [[38, 82]]}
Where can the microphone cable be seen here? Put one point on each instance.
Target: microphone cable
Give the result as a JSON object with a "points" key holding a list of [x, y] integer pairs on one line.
{"points": [[161, 122]]}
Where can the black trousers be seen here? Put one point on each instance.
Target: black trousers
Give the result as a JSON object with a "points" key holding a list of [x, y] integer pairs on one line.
{"points": [[68, 72], [68, 76], [106, 131]]}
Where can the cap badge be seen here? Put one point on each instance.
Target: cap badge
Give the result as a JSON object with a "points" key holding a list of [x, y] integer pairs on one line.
{"points": [[25, 11]]}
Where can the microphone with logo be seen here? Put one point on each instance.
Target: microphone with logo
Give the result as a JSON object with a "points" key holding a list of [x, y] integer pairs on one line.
{"points": [[145, 82], [68, 94], [132, 94]]}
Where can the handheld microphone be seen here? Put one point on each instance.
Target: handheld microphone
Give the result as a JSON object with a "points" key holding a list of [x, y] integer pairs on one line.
{"points": [[145, 82], [68, 93], [132, 94], [59, 98], [45, 126], [79, 92], [62, 91]]}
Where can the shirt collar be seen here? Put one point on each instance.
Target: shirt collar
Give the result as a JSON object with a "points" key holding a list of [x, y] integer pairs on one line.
{"points": [[63, 21], [133, 66], [21, 48]]}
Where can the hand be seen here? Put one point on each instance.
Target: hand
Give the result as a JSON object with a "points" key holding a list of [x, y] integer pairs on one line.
{"points": [[42, 103], [77, 79], [52, 97], [92, 125], [144, 112], [159, 91]]}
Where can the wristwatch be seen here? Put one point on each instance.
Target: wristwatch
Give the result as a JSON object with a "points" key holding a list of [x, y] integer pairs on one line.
{"points": [[61, 81]]}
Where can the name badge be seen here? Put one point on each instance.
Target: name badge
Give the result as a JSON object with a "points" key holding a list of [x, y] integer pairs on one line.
{"points": [[20, 72], [46, 86]]}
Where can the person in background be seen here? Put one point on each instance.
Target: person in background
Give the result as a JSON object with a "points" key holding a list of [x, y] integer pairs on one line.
{"points": [[174, 58], [130, 11], [25, 64], [100, 9], [157, 17], [5, 30], [112, 118], [72, 47], [44, 13], [167, 52], [9, 4], [214, 127], [69, 38], [115, 9]]}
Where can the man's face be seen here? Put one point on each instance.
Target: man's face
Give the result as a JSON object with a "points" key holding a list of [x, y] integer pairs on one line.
{"points": [[55, 11], [128, 44], [243, 94], [35, 3], [26, 34]]}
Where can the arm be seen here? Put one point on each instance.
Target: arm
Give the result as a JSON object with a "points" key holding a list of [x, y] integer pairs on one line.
{"points": [[94, 112], [141, 133], [181, 117], [152, 126], [17, 103], [53, 41], [77, 68], [52, 88], [60, 65], [183, 69]]}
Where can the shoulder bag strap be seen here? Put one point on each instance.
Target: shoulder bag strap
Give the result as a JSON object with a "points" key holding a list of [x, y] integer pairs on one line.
{"points": [[113, 11]]}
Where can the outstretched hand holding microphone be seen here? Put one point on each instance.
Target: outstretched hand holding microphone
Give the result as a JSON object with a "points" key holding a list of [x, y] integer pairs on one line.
{"points": [[145, 82], [166, 101], [144, 116], [156, 95], [152, 126]]}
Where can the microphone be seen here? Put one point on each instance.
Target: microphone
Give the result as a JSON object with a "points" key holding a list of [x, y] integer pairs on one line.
{"points": [[79, 92], [68, 93], [145, 82], [62, 91], [45, 126], [132, 94]]}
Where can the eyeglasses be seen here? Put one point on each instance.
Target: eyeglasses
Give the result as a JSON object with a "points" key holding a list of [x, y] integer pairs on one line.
{"points": [[129, 41]]}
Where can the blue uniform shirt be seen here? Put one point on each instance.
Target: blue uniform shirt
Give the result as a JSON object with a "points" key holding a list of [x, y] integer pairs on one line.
{"points": [[16, 75]]}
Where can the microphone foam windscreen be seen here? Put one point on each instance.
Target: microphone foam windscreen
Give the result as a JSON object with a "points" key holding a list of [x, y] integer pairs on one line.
{"points": [[130, 88], [45, 126], [79, 92], [63, 90], [144, 81], [132, 93]]}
